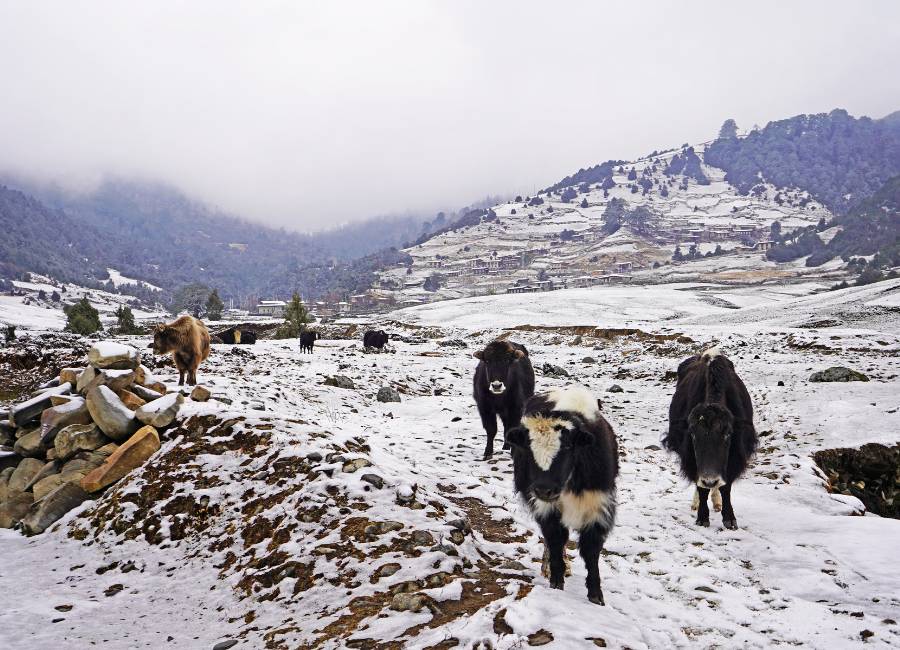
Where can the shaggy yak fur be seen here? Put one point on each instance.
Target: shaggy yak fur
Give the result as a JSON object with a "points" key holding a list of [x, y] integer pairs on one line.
{"points": [[236, 336], [565, 463], [375, 339], [711, 430], [187, 339], [307, 339], [504, 380]]}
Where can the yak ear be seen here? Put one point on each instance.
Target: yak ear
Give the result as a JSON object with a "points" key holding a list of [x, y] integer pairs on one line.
{"points": [[479, 354], [582, 438], [519, 354], [517, 436]]}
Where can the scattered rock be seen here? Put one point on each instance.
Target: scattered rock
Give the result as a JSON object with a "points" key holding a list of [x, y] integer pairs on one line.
{"points": [[161, 412], [780, 383], [112, 590], [356, 464], [115, 356], [14, 507], [541, 637], [112, 416], [838, 373], [452, 343], [224, 645], [200, 394], [372, 479], [422, 538], [130, 455], [147, 394], [69, 375], [50, 468], [340, 381], [551, 370], [386, 570], [408, 602], [86, 380], [615, 388], [78, 437], [52, 507], [868, 473], [589, 360], [388, 394]]}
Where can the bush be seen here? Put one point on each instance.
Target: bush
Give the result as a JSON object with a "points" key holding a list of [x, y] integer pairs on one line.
{"points": [[82, 318], [214, 306]]}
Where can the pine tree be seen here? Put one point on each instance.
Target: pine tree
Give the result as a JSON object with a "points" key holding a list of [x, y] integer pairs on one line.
{"points": [[729, 130], [82, 318], [126, 324], [296, 316], [214, 306]]}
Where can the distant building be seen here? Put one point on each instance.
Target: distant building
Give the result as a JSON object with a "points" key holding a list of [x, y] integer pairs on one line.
{"points": [[763, 246], [274, 308]]}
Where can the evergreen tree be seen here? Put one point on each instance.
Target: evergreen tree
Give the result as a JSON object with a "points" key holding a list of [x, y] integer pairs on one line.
{"points": [[729, 130], [214, 306], [678, 255], [126, 324], [190, 298], [296, 316], [82, 318], [10, 333]]}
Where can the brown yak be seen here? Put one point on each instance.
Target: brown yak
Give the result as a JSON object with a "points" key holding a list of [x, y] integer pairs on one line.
{"points": [[187, 339]]}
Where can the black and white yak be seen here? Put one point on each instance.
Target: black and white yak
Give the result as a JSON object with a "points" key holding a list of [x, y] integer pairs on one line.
{"points": [[565, 463], [711, 430], [375, 339], [307, 340], [504, 380]]}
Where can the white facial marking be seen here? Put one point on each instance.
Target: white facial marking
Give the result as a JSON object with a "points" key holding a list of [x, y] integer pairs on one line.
{"points": [[580, 510], [575, 399], [497, 387], [711, 353], [542, 509], [716, 480], [544, 438]]}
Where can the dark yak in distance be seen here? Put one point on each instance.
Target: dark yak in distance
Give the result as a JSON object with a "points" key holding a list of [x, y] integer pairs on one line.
{"points": [[307, 339], [504, 380], [375, 339], [711, 430], [565, 463]]}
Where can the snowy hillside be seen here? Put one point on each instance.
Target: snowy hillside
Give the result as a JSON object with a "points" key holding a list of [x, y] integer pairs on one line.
{"points": [[285, 513], [557, 239]]}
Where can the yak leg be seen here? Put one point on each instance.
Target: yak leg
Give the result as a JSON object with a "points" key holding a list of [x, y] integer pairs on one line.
{"points": [[555, 537], [696, 502], [489, 422], [703, 507], [716, 497], [728, 518], [590, 543], [509, 422], [545, 562]]}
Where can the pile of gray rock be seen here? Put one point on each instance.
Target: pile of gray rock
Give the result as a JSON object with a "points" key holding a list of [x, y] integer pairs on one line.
{"points": [[78, 434]]}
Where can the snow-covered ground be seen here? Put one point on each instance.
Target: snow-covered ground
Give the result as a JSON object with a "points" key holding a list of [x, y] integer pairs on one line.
{"points": [[118, 279], [259, 542]]}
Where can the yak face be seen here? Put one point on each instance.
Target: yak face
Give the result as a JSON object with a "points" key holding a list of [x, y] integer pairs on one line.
{"points": [[547, 444], [164, 339], [710, 427], [499, 358]]}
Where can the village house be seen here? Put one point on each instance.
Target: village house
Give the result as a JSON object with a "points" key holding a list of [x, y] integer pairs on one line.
{"points": [[273, 308]]}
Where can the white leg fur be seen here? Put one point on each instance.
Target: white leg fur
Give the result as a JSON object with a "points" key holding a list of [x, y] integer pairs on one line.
{"points": [[717, 500], [695, 503], [545, 562]]}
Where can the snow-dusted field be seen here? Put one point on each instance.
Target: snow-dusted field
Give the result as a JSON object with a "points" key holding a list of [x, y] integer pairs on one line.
{"points": [[276, 556]]}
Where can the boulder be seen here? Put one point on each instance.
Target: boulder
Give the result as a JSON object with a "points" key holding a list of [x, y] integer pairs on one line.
{"points": [[615, 388], [30, 444], [78, 437], [340, 381], [146, 394], [387, 394], [49, 469], [130, 455], [49, 483], [52, 507], [24, 473], [117, 379], [9, 460], [23, 413], [161, 412], [838, 373], [200, 394], [130, 400], [14, 507], [7, 434], [69, 375], [157, 387], [55, 418], [112, 416], [85, 461], [86, 380], [114, 356], [4, 482]]}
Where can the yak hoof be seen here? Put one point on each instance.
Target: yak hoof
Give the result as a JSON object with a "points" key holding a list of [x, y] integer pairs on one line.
{"points": [[505, 446], [487, 455], [557, 584], [730, 524], [703, 521], [597, 600]]}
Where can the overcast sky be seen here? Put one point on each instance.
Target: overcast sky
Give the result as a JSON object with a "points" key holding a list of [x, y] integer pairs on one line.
{"points": [[310, 114]]}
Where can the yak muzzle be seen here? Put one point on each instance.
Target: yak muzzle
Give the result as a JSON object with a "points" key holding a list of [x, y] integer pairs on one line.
{"points": [[710, 482], [497, 387], [545, 493]]}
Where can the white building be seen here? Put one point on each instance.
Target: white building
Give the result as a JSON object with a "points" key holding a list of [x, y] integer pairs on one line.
{"points": [[274, 308]]}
